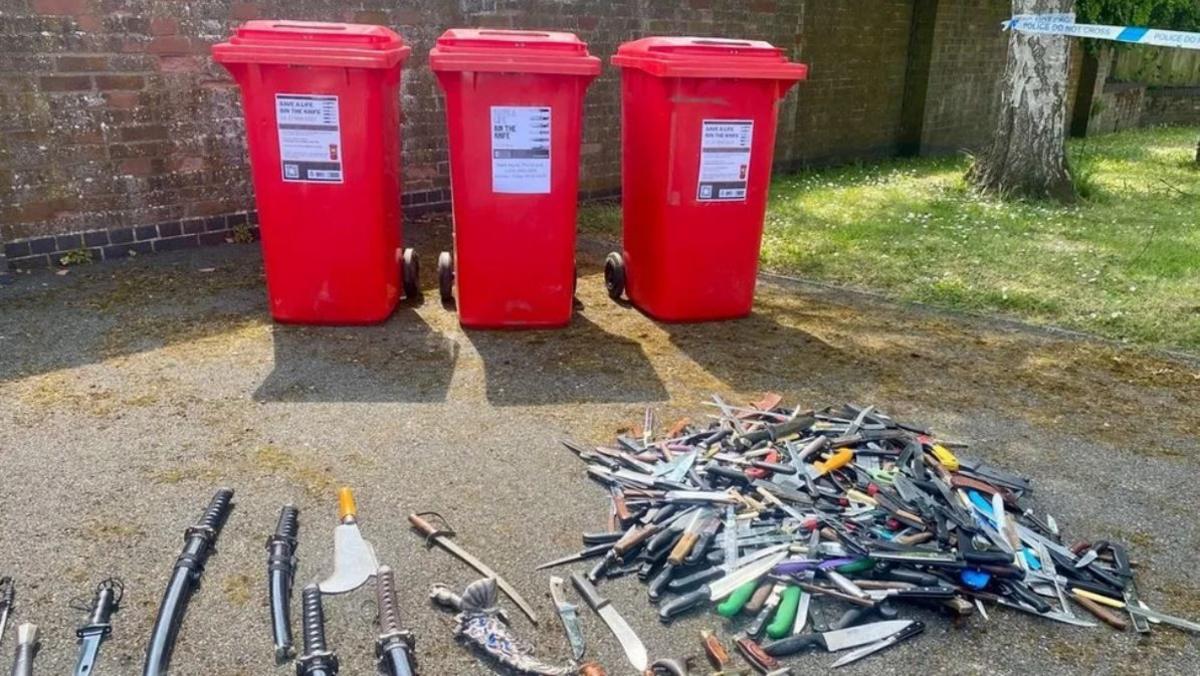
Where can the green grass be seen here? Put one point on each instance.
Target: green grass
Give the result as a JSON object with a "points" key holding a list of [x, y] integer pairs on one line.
{"points": [[1123, 263]]}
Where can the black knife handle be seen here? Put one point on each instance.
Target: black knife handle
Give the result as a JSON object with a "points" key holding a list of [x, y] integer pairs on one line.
{"points": [[773, 467], [589, 592], [700, 548], [794, 644], [727, 473], [591, 539], [658, 584], [707, 575], [756, 626], [1022, 593], [683, 603], [912, 576]]}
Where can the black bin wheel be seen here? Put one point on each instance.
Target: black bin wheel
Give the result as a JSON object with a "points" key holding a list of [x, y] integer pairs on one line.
{"points": [[614, 275], [411, 273], [445, 267]]}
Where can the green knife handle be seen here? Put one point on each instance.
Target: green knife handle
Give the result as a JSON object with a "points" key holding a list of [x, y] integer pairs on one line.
{"points": [[859, 566], [737, 600], [785, 617]]}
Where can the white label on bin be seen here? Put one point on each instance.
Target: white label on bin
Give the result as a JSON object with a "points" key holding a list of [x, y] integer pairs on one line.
{"points": [[724, 160], [310, 138], [521, 149]]}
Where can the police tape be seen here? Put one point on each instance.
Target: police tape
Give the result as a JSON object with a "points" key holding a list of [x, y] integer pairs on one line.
{"points": [[1064, 24]]}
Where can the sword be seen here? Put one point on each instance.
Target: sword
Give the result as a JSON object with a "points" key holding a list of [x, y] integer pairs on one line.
{"points": [[441, 537], [106, 602]]}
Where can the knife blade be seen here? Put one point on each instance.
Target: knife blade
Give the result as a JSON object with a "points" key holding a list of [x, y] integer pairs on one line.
{"points": [[833, 641], [721, 588], [635, 651], [906, 633], [569, 614], [715, 572]]}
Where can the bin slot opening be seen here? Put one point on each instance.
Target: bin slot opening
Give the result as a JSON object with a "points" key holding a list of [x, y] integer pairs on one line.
{"points": [[311, 26], [515, 34], [724, 43]]}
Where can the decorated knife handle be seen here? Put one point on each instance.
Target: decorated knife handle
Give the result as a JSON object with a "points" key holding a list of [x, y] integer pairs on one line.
{"points": [[683, 603], [793, 644], [588, 591]]}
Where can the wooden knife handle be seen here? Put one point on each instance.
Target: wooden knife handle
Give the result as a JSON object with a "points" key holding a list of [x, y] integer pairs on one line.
{"points": [[1106, 615], [423, 526], [682, 548]]}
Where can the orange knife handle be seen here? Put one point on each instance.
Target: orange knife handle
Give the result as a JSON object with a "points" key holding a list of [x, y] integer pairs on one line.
{"points": [[346, 507]]}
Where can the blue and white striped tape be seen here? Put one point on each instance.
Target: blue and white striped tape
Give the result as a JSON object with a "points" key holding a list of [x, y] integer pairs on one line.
{"points": [[1064, 24]]}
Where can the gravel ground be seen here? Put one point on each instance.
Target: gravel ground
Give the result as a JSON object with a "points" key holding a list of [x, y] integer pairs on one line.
{"points": [[129, 391]]}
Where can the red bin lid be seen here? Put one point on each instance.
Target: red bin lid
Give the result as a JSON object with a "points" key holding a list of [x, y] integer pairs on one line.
{"points": [[512, 51], [312, 43], [708, 57]]}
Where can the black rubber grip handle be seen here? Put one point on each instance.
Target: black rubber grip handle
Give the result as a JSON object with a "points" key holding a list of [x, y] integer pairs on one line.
{"points": [[756, 626], [218, 509], [588, 591], [683, 603], [773, 467], [699, 549], [658, 584], [794, 644], [913, 576], [986, 558], [727, 473], [683, 583], [601, 538], [777, 432], [664, 539], [1027, 597]]}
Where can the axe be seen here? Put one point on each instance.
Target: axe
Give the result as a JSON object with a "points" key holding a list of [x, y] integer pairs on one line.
{"points": [[354, 559]]}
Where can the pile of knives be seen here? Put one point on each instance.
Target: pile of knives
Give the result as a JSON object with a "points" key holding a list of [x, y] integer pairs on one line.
{"points": [[765, 508]]}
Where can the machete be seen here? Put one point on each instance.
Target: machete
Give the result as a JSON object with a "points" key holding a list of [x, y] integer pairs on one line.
{"points": [[635, 651]]}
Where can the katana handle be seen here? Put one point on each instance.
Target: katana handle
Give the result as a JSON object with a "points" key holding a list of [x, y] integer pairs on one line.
{"points": [[281, 571]]}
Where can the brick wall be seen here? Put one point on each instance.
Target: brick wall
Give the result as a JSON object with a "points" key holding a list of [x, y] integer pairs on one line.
{"points": [[969, 53], [117, 122]]}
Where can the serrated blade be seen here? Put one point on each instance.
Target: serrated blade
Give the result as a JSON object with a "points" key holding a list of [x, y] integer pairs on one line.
{"points": [[635, 651]]}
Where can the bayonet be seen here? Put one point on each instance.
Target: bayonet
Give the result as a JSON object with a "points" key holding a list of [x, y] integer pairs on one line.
{"points": [[106, 602], [635, 651], [441, 537], [569, 614]]}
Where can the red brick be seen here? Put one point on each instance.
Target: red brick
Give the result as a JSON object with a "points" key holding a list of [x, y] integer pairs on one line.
{"points": [[169, 44], [107, 83], [148, 132], [81, 64], [65, 83], [122, 100], [89, 23], [244, 11], [189, 165], [181, 64], [136, 166], [60, 7], [164, 25]]}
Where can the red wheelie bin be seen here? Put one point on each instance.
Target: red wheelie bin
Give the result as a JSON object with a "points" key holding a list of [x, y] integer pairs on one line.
{"points": [[514, 108], [698, 135], [323, 129]]}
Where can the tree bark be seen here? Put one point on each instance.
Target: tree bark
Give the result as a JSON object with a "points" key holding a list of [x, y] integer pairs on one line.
{"points": [[1027, 156], [1197, 152]]}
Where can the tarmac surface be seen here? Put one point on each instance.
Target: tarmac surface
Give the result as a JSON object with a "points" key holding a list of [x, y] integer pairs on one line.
{"points": [[130, 391]]}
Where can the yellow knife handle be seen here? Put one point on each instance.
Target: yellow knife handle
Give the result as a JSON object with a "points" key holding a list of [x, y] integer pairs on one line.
{"points": [[945, 457], [836, 461], [346, 507]]}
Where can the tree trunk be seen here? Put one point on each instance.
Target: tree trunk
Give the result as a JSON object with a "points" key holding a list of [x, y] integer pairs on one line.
{"points": [[1197, 152], [1027, 156]]}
